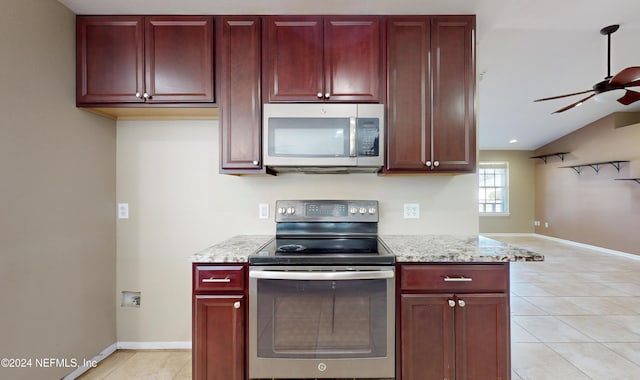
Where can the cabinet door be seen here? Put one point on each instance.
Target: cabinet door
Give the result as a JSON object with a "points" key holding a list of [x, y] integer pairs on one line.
{"points": [[218, 337], [109, 59], [453, 62], [482, 336], [241, 104], [427, 347], [409, 94], [352, 59], [179, 59], [295, 58]]}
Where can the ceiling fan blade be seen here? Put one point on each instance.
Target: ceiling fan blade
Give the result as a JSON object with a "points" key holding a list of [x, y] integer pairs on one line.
{"points": [[575, 104], [629, 97], [563, 96], [626, 76]]}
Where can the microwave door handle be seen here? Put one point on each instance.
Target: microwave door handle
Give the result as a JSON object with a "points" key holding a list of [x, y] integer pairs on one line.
{"points": [[352, 137]]}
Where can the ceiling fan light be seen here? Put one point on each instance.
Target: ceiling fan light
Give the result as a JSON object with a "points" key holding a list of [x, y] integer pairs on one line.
{"points": [[610, 96]]}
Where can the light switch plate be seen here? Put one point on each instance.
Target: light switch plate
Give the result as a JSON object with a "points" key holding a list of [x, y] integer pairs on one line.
{"points": [[123, 211], [411, 211]]}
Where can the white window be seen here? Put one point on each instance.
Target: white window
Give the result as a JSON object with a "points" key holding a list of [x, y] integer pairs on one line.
{"points": [[493, 189]]}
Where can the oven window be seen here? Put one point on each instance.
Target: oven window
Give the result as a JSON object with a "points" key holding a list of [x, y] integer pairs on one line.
{"points": [[327, 319]]}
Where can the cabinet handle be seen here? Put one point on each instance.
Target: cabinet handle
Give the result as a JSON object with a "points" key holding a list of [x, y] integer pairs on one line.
{"points": [[236, 305], [319, 95], [327, 95], [452, 303], [458, 279], [146, 96], [461, 303], [428, 163], [436, 164], [212, 279], [255, 163]]}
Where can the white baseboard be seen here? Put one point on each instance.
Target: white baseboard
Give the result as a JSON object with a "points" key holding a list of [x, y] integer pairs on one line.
{"points": [[154, 345], [97, 359], [593, 247], [573, 243]]}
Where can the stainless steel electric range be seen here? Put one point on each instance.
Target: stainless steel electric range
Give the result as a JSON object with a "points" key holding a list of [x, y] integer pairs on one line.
{"points": [[322, 294]]}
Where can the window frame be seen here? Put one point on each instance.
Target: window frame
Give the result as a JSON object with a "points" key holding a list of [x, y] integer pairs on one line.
{"points": [[505, 189]]}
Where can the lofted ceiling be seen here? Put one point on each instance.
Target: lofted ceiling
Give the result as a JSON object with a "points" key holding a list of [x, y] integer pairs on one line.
{"points": [[527, 49]]}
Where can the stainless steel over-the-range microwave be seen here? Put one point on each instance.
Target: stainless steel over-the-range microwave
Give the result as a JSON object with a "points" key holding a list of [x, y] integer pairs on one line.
{"points": [[323, 135]]}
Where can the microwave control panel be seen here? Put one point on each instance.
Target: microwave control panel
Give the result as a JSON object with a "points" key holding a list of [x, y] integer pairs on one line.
{"points": [[368, 137]]}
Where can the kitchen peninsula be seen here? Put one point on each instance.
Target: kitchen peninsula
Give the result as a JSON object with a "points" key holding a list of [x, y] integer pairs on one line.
{"points": [[406, 248], [451, 305]]}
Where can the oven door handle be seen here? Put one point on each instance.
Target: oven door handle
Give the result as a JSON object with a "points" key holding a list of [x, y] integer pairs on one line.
{"points": [[320, 275]]}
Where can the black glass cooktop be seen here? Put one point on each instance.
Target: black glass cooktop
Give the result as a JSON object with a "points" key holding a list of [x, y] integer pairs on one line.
{"points": [[323, 251]]}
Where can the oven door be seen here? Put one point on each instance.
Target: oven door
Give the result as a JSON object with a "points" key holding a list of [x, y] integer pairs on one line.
{"points": [[321, 322]]}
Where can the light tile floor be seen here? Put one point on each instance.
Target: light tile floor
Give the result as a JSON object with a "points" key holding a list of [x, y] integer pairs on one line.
{"points": [[574, 316]]}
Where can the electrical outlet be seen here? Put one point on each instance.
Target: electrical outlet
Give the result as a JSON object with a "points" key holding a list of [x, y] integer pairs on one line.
{"points": [[263, 211], [123, 211], [411, 211], [546, 224]]}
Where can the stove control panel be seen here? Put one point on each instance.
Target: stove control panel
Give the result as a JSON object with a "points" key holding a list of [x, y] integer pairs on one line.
{"points": [[326, 211]]}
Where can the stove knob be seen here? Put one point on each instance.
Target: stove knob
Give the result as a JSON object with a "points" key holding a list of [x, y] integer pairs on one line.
{"points": [[372, 210], [362, 210], [281, 210], [291, 211], [353, 210]]}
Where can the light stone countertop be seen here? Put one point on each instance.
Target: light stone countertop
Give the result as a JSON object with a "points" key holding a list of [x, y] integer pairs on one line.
{"points": [[454, 248], [406, 248], [234, 250]]}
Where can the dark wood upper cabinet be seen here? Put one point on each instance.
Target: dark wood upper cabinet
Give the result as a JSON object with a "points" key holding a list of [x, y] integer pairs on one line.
{"points": [[179, 59], [240, 101], [109, 59], [144, 59], [431, 94], [331, 58]]}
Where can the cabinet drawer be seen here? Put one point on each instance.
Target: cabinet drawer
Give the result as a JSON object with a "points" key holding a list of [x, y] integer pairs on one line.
{"points": [[218, 278], [455, 277]]}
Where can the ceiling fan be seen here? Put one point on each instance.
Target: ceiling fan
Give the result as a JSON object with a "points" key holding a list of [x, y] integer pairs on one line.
{"points": [[612, 87]]}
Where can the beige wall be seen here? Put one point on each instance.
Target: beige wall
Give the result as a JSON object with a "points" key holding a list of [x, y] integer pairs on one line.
{"points": [[592, 208], [179, 204], [57, 198], [521, 193]]}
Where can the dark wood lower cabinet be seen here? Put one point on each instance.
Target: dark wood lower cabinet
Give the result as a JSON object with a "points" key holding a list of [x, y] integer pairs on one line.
{"points": [[219, 322], [462, 334], [219, 344]]}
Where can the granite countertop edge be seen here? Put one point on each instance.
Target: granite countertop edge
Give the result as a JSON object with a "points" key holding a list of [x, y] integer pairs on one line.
{"points": [[406, 248]]}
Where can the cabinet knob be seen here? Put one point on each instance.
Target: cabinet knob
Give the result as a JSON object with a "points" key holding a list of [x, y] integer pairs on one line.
{"points": [[461, 303], [146, 96], [138, 95], [428, 163], [327, 95], [452, 303], [255, 163], [436, 164], [319, 95], [236, 305]]}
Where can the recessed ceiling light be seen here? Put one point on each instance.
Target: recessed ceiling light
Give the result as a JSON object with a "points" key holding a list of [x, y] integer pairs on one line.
{"points": [[513, 141]]}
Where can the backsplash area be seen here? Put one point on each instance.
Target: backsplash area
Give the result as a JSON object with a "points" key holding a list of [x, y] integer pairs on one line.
{"points": [[167, 171]]}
